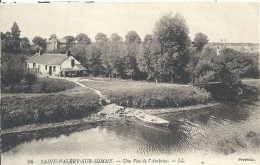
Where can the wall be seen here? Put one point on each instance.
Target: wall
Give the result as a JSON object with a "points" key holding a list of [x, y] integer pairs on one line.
{"points": [[67, 62], [43, 70]]}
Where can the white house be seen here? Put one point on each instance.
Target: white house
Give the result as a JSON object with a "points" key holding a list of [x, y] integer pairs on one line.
{"points": [[55, 65]]}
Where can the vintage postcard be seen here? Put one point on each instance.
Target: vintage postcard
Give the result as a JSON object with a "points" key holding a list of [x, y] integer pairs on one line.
{"points": [[130, 83]]}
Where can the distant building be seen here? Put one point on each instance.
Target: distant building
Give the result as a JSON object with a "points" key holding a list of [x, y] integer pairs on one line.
{"points": [[57, 44], [55, 65]]}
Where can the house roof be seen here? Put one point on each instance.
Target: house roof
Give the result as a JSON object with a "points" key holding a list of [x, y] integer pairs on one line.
{"points": [[81, 67], [48, 59], [77, 68]]}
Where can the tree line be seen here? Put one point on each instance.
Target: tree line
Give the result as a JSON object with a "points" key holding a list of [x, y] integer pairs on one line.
{"points": [[167, 55]]}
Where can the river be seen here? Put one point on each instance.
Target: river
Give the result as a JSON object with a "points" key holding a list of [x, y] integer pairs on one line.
{"points": [[219, 130]]}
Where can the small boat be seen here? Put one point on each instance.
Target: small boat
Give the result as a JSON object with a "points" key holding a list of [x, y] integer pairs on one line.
{"points": [[152, 119]]}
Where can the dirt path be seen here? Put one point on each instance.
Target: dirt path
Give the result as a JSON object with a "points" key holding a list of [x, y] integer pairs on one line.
{"points": [[76, 81]]}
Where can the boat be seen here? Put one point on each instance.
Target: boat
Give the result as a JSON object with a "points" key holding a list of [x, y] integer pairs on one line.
{"points": [[152, 119]]}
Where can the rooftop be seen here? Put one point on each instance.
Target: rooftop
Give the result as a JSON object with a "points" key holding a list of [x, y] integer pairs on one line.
{"points": [[48, 59]]}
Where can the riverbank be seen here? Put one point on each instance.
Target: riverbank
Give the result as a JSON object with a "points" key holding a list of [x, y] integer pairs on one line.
{"points": [[105, 114], [27, 109]]}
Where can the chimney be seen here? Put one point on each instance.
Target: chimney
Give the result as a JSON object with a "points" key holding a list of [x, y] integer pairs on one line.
{"points": [[39, 52], [68, 53]]}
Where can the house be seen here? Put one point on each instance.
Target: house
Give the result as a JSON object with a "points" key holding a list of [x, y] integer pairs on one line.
{"points": [[55, 65]]}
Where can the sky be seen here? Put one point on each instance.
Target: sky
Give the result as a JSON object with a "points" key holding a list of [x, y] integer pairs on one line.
{"points": [[235, 22]]}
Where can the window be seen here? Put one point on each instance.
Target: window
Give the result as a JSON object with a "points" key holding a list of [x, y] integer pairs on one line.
{"points": [[46, 67], [54, 68], [34, 65], [72, 62]]}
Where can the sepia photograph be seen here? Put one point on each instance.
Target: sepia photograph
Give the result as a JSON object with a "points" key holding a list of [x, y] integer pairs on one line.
{"points": [[130, 83]]}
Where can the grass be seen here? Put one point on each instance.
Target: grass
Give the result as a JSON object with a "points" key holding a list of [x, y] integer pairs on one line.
{"points": [[251, 140], [43, 85], [150, 95], [22, 109]]}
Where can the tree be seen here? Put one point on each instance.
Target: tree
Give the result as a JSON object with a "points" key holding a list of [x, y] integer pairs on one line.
{"points": [[101, 37], [115, 38], [93, 57], [115, 57], [39, 41], [15, 39], [6, 42], [25, 44], [171, 35], [132, 41], [12, 70], [53, 36], [200, 41], [83, 39], [131, 37], [144, 58], [69, 39]]}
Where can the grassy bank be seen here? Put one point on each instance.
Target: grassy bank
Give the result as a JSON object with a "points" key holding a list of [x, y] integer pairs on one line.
{"points": [[248, 141], [42, 85], [150, 95], [22, 109]]}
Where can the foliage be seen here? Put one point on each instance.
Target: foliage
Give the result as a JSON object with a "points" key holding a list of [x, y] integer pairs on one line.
{"points": [[83, 39], [40, 42], [10, 41], [116, 53], [93, 57], [132, 41], [200, 41], [228, 68], [15, 38], [12, 70], [101, 37], [131, 37], [171, 34], [46, 108], [53, 36], [25, 44], [69, 39]]}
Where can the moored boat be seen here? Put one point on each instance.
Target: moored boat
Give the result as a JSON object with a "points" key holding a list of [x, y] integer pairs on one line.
{"points": [[152, 119]]}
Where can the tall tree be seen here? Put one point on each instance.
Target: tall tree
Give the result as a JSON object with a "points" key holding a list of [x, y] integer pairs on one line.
{"points": [[116, 54], [83, 39], [93, 57], [144, 58], [132, 41], [200, 41], [171, 34], [15, 38]]}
